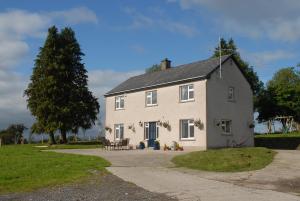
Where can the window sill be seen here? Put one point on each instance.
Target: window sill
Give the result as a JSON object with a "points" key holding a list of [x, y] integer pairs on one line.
{"points": [[187, 139], [226, 134], [186, 101], [232, 101], [152, 105], [117, 109]]}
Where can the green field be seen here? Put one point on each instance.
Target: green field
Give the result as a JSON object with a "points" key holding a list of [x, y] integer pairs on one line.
{"points": [[226, 160], [25, 168]]}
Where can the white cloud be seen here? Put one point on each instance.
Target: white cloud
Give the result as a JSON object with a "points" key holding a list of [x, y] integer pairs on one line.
{"points": [[140, 21], [12, 103], [277, 20], [13, 106], [101, 81], [17, 25], [76, 15], [265, 58], [11, 52]]}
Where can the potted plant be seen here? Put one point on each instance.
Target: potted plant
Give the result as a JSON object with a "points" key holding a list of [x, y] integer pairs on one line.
{"points": [[156, 145], [142, 145], [131, 127], [107, 128], [198, 123], [166, 148], [166, 125]]}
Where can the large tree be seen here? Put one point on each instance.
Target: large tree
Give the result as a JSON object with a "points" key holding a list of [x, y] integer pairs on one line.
{"points": [[13, 134], [281, 98], [229, 47], [58, 94]]}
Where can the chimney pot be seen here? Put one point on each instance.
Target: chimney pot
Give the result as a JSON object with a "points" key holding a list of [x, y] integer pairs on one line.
{"points": [[165, 64]]}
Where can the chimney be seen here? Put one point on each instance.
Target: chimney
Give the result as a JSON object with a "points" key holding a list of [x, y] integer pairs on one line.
{"points": [[165, 64]]}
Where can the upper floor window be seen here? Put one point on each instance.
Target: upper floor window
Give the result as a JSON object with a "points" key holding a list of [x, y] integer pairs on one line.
{"points": [[151, 98], [226, 126], [187, 92], [119, 104], [119, 131], [187, 129], [231, 95]]}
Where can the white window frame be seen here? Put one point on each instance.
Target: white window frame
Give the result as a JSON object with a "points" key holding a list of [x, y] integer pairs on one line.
{"points": [[190, 124], [118, 101], [118, 131], [146, 128], [157, 130], [149, 94], [224, 126], [231, 94], [190, 88]]}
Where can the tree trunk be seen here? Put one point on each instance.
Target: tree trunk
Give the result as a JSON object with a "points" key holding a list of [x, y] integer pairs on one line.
{"points": [[64, 136], [52, 138]]}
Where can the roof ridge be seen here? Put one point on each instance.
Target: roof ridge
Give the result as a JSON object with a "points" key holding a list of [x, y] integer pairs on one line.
{"points": [[197, 69], [182, 65]]}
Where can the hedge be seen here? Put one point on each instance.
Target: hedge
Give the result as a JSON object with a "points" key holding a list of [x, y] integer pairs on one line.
{"points": [[290, 143], [85, 143]]}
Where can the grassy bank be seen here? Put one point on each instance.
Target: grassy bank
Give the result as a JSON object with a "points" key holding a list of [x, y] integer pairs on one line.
{"points": [[226, 160], [24, 168]]}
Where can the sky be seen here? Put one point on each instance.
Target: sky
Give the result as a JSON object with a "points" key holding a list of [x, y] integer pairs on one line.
{"points": [[122, 38]]}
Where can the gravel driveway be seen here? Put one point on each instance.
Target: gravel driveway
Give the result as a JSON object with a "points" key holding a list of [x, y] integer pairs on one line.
{"points": [[153, 171], [99, 188]]}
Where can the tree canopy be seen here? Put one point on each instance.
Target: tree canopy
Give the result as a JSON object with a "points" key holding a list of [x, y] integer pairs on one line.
{"points": [[58, 94], [153, 68], [13, 134], [281, 97]]}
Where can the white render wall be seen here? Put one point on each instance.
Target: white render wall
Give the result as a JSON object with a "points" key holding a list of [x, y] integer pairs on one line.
{"points": [[168, 109], [218, 107]]}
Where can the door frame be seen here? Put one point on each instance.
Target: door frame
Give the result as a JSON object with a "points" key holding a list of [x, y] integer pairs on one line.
{"points": [[152, 132]]}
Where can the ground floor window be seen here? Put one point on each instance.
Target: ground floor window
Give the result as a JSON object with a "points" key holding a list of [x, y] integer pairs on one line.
{"points": [[226, 126], [119, 131], [187, 129]]}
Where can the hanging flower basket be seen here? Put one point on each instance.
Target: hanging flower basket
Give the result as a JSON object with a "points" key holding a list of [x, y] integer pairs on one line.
{"points": [[199, 124], [131, 127], [108, 129], [166, 125]]}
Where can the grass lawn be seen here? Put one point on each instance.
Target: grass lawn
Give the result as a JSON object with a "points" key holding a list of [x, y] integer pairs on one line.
{"points": [[278, 135], [226, 160], [25, 168]]}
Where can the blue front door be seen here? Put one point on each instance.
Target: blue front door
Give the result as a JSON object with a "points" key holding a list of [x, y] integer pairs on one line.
{"points": [[152, 134]]}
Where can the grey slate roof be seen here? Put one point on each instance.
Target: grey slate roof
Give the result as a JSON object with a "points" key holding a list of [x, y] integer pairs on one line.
{"points": [[195, 70]]}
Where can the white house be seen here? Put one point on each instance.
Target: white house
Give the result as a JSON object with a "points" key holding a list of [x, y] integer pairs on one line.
{"points": [[193, 104]]}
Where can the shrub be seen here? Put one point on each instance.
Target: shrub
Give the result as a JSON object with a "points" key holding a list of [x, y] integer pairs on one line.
{"points": [[277, 142], [156, 145], [86, 143], [142, 145]]}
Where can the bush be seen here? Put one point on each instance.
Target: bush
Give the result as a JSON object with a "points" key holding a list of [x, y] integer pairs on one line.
{"points": [[86, 143], [142, 145], [156, 145], [290, 143]]}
